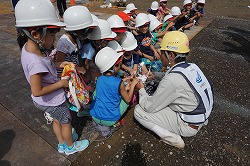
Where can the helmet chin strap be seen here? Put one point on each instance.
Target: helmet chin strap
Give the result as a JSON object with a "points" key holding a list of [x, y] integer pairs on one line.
{"points": [[112, 70], [39, 42]]}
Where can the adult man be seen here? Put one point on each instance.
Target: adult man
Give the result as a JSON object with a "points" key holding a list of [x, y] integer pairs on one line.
{"points": [[183, 100]]}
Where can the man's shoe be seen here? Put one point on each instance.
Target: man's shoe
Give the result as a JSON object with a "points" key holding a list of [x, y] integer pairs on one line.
{"points": [[174, 140]]}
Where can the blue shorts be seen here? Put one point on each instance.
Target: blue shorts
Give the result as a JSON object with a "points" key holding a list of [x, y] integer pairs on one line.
{"points": [[60, 112]]}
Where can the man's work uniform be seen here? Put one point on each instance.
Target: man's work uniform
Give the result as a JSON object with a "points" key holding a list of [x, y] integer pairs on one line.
{"points": [[173, 95]]}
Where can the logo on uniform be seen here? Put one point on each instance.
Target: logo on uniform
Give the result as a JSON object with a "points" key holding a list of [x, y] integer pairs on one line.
{"points": [[198, 78]]}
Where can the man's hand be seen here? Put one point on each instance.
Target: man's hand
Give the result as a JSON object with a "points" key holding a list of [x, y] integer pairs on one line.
{"points": [[139, 85]]}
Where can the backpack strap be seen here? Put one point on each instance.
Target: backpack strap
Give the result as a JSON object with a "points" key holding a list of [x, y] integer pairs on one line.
{"points": [[73, 93]]}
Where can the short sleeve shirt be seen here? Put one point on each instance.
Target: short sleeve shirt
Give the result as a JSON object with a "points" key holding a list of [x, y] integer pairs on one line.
{"points": [[132, 61], [67, 47], [144, 42], [34, 64]]}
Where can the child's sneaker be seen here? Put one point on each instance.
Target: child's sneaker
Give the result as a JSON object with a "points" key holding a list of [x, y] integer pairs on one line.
{"points": [[78, 146], [61, 147]]}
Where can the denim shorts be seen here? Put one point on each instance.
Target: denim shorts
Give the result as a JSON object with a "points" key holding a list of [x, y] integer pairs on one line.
{"points": [[60, 112]]}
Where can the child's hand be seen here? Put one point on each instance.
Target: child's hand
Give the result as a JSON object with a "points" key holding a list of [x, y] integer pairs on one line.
{"points": [[81, 70], [170, 24], [132, 72], [191, 20], [157, 56], [63, 64], [64, 83], [151, 58], [127, 87], [135, 81]]}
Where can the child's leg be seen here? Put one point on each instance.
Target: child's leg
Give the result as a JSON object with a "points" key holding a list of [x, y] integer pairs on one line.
{"points": [[123, 107], [67, 134], [58, 131]]}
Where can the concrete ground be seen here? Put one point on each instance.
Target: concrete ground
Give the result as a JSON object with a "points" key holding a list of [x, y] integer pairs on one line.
{"points": [[221, 50]]}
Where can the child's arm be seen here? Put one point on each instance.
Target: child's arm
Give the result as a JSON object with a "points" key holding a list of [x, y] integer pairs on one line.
{"points": [[62, 64], [127, 95], [161, 34], [183, 13], [60, 56], [135, 68], [155, 52], [143, 55], [38, 89]]}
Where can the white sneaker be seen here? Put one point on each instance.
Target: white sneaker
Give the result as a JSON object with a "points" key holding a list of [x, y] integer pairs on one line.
{"points": [[174, 140], [169, 137]]}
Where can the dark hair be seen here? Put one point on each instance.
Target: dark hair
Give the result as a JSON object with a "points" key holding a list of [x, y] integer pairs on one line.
{"points": [[180, 59], [22, 38]]}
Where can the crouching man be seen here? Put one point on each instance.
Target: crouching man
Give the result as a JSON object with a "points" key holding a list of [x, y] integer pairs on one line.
{"points": [[183, 101]]}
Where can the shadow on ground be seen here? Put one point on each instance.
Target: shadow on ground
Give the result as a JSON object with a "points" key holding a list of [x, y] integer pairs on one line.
{"points": [[6, 138], [241, 43]]}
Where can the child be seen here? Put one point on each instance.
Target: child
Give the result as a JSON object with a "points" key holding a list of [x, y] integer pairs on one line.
{"points": [[79, 24], [132, 9], [157, 34], [97, 39], [145, 49], [163, 10], [41, 25], [168, 19], [154, 8], [197, 11], [117, 25], [130, 60], [183, 22], [111, 99]]}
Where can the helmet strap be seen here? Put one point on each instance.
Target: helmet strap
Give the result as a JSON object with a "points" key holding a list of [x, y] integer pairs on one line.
{"points": [[39, 42], [73, 34]]}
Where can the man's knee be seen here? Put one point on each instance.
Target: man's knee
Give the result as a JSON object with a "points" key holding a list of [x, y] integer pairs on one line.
{"points": [[138, 111]]}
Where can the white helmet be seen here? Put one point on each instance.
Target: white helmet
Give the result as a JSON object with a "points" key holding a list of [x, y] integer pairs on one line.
{"points": [[116, 22], [167, 17], [154, 5], [163, 0], [102, 31], [186, 2], [154, 24], [78, 17], [141, 19], [126, 11], [116, 46], [128, 42], [31, 13], [151, 17], [130, 7], [106, 58], [94, 17], [201, 1], [175, 11]]}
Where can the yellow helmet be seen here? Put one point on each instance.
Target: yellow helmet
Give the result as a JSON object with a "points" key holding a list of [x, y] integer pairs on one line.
{"points": [[175, 41]]}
